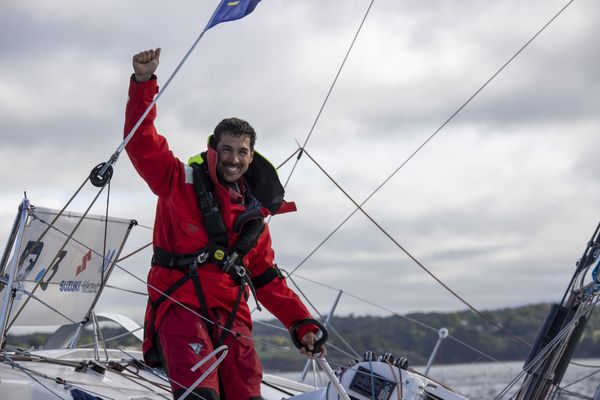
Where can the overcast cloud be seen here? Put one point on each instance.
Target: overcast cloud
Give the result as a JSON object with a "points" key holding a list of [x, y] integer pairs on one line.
{"points": [[499, 205]]}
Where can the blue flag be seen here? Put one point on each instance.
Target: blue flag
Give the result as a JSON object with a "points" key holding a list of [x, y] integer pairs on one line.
{"points": [[230, 10]]}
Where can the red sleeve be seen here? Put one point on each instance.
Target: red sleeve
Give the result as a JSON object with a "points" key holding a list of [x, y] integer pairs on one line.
{"points": [[276, 296], [149, 152]]}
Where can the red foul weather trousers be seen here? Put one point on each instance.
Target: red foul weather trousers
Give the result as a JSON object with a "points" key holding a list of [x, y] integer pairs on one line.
{"points": [[185, 339]]}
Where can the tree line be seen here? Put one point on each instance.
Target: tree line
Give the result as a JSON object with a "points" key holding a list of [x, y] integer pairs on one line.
{"points": [[412, 336]]}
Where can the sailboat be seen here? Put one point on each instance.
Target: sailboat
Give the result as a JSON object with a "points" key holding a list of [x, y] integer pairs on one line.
{"points": [[57, 274], [50, 367]]}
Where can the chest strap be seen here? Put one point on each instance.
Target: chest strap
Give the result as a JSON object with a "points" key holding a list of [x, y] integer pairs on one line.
{"points": [[190, 272], [230, 262], [182, 262], [166, 259], [189, 264]]}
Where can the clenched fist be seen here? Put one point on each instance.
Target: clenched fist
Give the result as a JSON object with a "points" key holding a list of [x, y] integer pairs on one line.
{"points": [[145, 64]]}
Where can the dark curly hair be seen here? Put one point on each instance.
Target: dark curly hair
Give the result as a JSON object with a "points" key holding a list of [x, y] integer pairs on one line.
{"points": [[235, 127]]}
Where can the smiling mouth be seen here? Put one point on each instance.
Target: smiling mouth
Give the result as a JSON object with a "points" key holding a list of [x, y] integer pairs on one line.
{"points": [[231, 168]]}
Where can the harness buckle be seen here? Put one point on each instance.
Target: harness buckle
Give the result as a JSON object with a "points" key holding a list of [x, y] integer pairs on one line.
{"points": [[229, 262], [202, 257], [240, 270], [232, 267], [218, 254]]}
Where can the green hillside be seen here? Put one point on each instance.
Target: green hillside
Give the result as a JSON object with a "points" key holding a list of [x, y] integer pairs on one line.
{"points": [[407, 336], [415, 342]]}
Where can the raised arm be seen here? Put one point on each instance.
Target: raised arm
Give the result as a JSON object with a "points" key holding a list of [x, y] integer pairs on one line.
{"points": [[148, 150]]}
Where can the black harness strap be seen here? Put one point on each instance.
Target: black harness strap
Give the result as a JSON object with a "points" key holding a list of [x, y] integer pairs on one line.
{"points": [[249, 225], [167, 259], [167, 293], [208, 205], [266, 277], [193, 275], [229, 322]]}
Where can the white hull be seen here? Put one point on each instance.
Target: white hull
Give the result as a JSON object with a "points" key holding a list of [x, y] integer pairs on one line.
{"points": [[56, 374], [37, 378], [376, 379]]}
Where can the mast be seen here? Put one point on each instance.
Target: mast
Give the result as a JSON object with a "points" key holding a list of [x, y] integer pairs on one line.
{"points": [[554, 347]]}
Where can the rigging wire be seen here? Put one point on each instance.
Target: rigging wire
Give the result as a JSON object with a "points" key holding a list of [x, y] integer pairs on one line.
{"points": [[427, 139], [448, 120], [237, 334], [409, 319], [137, 377], [329, 92], [547, 350], [288, 159], [134, 252], [30, 374], [331, 326], [126, 290], [414, 259], [112, 338], [585, 365], [165, 378], [191, 310], [150, 228], [386, 180], [62, 210], [50, 226], [42, 302], [56, 257], [329, 344], [105, 262], [67, 385], [114, 157], [289, 276], [150, 286], [138, 380], [563, 393], [580, 379]]}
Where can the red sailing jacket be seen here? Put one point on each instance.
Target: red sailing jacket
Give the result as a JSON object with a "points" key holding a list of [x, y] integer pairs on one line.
{"points": [[178, 226]]}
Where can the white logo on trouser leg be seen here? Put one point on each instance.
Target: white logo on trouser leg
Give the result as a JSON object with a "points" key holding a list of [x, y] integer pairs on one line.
{"points": [[197, 347]]}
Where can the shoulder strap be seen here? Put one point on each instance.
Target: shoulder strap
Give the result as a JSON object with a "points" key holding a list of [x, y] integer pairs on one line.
{"points": [[213, 220]]}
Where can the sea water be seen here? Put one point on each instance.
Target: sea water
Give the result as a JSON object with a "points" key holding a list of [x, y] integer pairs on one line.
{"points": [[488, 380]]}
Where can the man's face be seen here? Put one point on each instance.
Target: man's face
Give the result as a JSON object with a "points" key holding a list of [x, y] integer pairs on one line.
{"points": [[234, 158]]}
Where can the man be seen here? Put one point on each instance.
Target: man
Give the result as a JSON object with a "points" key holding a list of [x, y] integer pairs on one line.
{"points": [[211, 247]]}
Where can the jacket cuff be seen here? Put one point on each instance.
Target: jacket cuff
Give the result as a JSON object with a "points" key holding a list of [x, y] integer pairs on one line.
{"points": [[303, 330], [143, 90]]}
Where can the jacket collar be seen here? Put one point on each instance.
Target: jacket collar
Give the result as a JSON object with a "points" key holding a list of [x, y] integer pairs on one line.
{"points": [[261, 178]]}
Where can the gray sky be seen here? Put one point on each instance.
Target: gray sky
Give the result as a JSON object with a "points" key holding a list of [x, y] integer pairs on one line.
{"points": [[499, 205]]}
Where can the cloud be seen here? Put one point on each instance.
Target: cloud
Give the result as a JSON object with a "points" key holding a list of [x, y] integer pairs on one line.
{"points": [[504, 197]]}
